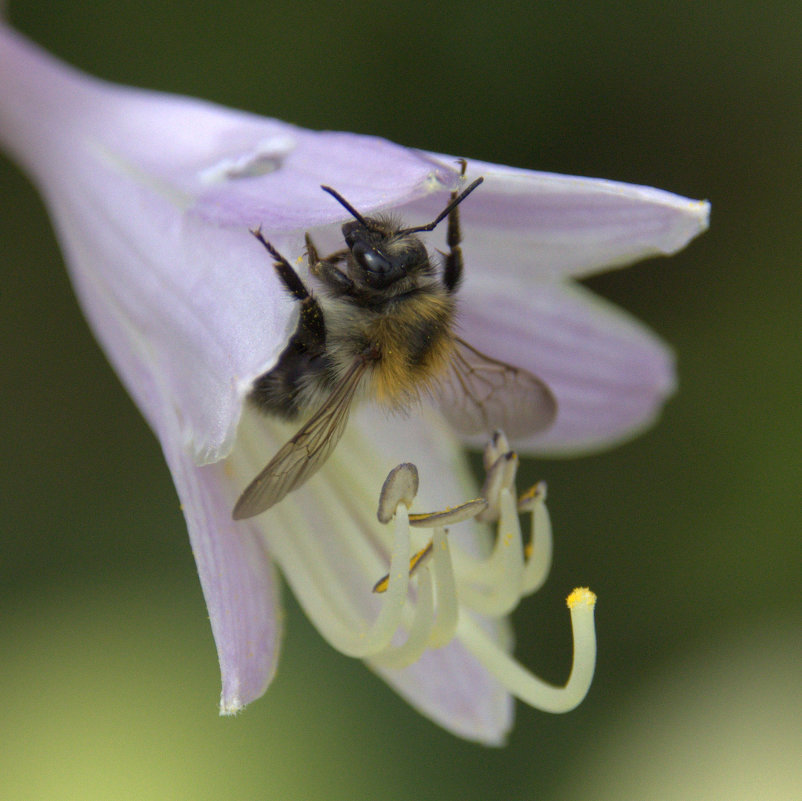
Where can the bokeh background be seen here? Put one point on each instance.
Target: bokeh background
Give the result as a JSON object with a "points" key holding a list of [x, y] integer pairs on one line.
{"points": [[690, 535]]}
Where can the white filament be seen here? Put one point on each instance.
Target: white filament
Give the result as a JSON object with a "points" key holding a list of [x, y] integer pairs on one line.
{"points": [[539, 562], [494, 585], [521, 682], [445, 626]]}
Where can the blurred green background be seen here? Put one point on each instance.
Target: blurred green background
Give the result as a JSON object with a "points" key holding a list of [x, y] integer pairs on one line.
{"points": [[690, 535]]}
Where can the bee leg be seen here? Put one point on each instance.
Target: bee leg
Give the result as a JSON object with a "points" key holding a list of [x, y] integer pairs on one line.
{"points": [[311, 251], [311, 320], [326, 269], [314, 259], [336, 280], [452, 272]]}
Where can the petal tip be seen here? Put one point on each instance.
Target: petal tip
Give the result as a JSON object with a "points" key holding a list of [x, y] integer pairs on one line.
{"points": [[230, 706], [700, 212], [694, 220]]}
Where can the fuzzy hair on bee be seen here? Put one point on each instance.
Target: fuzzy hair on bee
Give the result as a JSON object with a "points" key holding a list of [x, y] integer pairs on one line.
{"points": [[380, 325]]}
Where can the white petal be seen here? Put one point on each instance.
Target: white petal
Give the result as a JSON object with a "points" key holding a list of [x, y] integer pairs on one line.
{"points": [[238, 580], [451, 688], [545, 226]]}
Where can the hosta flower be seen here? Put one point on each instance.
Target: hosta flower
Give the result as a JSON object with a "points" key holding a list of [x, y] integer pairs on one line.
{"points": [[152, 197]]}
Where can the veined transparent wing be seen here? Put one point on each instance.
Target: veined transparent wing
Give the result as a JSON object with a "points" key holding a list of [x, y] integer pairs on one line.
{"points": [[480, 394], [305, 453]]}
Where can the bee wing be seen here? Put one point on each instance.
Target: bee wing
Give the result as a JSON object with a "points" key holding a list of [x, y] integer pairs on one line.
{"points": [[305, 453], [480, 394]]}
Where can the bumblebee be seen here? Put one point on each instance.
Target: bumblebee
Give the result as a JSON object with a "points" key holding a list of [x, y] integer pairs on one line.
{"points": [[381, 326]]}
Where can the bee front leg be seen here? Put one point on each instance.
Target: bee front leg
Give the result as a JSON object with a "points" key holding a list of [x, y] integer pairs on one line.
{"points": [[327, 270], [311, 322], [311, 252]]}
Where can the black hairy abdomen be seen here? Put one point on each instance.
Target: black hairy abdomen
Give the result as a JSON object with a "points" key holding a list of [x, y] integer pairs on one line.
{"points": [[282, 391]]}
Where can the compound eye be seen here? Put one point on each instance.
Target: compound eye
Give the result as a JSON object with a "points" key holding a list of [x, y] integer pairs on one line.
{"points": [[379, 271]]}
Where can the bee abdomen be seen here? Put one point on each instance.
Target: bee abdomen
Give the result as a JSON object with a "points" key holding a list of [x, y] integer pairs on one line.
{"points": [[286, 390]]}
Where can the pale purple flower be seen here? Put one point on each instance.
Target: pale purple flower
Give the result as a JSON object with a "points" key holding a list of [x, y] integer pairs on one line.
{"points": [[152, 196]]}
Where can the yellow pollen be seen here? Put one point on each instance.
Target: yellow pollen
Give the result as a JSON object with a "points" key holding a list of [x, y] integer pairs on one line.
{"points": [[415, 560], [382, 584], [581, 595]]}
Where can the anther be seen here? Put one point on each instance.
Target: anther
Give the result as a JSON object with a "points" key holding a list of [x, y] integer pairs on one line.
{"points": [[534, 495], [400, 486], [500, 475], [454, 514]]}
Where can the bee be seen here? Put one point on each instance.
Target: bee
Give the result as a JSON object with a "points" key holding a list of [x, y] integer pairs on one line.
{"points": [[381, 326]]}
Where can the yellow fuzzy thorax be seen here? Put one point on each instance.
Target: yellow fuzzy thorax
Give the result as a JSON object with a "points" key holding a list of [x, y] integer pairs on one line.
{"points": [[416, 346]]}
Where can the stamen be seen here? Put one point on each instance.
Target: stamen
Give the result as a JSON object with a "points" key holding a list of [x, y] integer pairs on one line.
{"points": [[523, 684], [539, 549], [397, 493], [455, 514], [428, 631], [493, 586], [401, 656], [400, 486], [380, 634], [500, 475], [399, 577], [535, 494], [497, 445], [415, 562], [445, 624]]}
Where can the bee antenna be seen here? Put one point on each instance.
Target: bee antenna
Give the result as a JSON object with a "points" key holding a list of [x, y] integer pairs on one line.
{"points": [[446, 211], [345, 204]]}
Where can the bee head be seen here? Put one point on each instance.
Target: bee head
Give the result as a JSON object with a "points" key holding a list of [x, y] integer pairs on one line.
{"points": [[381, 257], [383, 253]]}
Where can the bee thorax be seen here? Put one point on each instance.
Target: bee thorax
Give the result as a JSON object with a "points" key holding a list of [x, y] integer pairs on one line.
{"points": [[414, 343]]}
